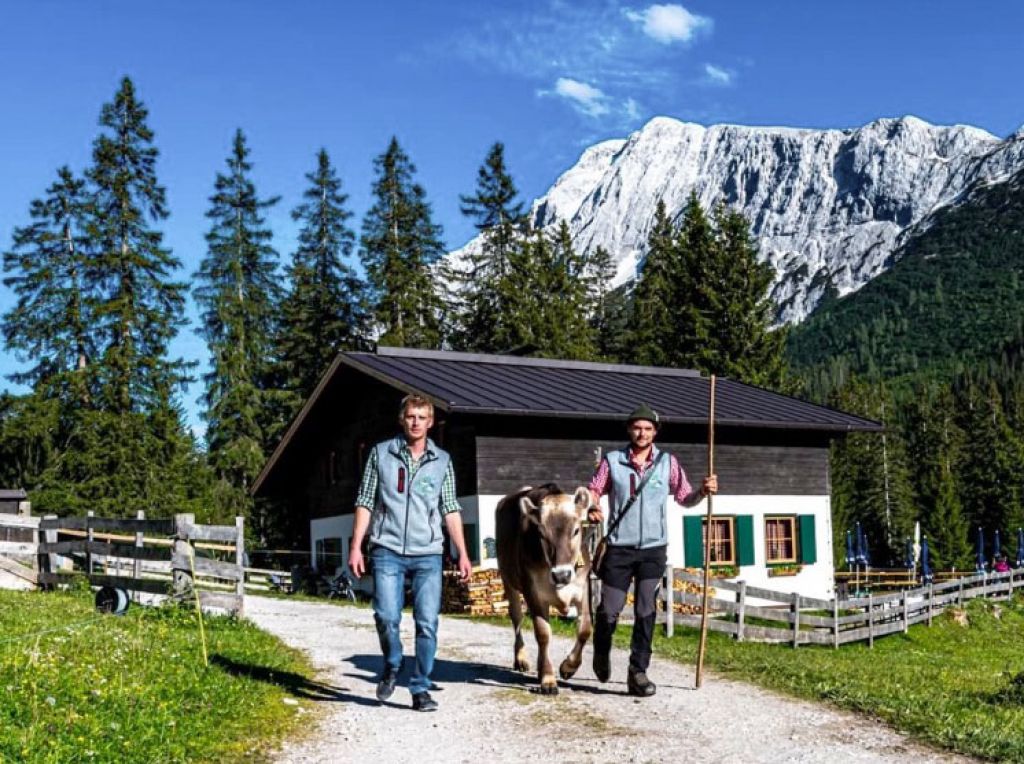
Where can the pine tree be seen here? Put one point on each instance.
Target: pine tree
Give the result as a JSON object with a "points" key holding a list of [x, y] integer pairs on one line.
{"points": [[140, 309], [237, 295], [399, 244], [741, 343], [499, 219], [324, 311], [653, 336], [697, 284], [51, 324]]}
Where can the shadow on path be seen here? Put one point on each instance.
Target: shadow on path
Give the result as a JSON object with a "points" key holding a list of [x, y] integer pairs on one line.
{"points": [[295, 684]]}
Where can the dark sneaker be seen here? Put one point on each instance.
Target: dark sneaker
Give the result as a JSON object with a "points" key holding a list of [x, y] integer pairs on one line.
{"points": [[639, 685], [386, 685], [602, 666], [422, 701]]}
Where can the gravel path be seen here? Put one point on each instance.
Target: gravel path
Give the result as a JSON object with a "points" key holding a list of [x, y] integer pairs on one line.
{"points": [[488, 712]]}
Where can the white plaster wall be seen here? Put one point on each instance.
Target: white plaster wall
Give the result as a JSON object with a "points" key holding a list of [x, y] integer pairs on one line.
{"points": [[815, 580]]}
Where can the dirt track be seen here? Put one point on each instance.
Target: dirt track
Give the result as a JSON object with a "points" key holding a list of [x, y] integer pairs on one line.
{"points": [[488, 712]]}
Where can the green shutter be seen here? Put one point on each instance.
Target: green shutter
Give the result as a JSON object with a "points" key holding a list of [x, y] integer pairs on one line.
{"points": [[808, 543], [693, 541], [472, 536], [744, 539]]}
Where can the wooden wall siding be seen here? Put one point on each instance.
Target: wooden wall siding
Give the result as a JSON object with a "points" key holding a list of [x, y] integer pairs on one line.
{"points": [[505, 464]]}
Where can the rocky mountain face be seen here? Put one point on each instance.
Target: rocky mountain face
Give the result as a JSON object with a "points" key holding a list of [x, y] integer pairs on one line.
{"points": [[827, 207]]}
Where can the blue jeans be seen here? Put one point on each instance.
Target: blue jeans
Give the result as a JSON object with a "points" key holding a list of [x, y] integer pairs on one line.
{"points": [[389, 572]]}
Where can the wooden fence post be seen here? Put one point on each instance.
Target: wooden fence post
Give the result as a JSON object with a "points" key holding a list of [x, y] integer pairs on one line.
{"points": [[960, 593], [90, 536], [741, 612], [871, 621], [795, 610], [240, 562], [906, 613], [182, 576], [137, 563], [669, 600], [835, 622], [931, 601], [50, 560]]}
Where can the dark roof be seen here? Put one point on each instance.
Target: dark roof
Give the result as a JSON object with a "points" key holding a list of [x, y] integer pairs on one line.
{"points": [[489, 384], [12, 493], [467, 383]]}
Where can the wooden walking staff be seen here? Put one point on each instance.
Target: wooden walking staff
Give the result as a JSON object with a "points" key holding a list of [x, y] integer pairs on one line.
{"points": [[707, 538]]}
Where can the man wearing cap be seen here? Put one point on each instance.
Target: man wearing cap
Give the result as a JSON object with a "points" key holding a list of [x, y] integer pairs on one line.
{"points": [[638, 480]]}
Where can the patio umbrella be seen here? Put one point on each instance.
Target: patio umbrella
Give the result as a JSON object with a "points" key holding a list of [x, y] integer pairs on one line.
{"points": [[850, 556], [1020, 548], [979, 564], [917, 542], [909, 554], [997, 547], [926, 570], [862, 547]]}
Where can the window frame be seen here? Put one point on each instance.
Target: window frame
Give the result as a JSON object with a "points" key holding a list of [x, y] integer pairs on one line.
{"points": [[794, 540], [730, 521]]}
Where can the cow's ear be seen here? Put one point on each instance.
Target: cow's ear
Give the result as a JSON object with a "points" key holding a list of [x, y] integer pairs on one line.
{"points": [[529, 510], [582, 501]]}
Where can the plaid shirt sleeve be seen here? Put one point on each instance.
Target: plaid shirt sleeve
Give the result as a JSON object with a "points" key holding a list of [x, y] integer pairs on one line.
{"points": [[599, 483], [367, 496], [449, 502], [680, 487]]}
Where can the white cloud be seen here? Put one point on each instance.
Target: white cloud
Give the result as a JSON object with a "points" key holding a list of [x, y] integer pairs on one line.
{"points": [[715, 75], [669, 23], [584, 98]]}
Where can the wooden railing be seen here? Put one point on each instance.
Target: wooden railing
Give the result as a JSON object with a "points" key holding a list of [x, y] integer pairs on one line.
{"points": [[800, 620], [137, 554]]}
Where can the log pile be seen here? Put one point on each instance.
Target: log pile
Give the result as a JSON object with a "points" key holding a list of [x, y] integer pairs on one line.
{"points": [[483, 594], [680, 586]]}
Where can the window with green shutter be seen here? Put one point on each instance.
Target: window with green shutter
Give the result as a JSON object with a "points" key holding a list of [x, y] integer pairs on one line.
{"points": [[693, 548], [745, 539], [808, 542]]}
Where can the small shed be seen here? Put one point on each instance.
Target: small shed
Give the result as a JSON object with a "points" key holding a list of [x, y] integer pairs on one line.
{"points": [[511, 421]]}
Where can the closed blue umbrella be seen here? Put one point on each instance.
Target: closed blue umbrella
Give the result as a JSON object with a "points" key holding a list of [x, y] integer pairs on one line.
{"points": [[850, 556], [926, 569], [1020, 548], [862, 547], [979, 544], [909, 554]]}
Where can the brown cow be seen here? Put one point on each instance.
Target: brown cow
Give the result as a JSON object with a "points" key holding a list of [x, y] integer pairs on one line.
{"points": [[540, 555]]}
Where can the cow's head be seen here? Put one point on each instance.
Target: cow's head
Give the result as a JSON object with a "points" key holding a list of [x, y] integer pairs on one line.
{"points": [[559, 520]]}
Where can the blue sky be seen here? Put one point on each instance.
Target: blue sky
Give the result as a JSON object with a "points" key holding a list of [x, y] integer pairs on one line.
{"points": [[448, 79]]}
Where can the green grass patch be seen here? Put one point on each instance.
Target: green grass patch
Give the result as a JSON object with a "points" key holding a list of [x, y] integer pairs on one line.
{"points": [[956, 687], [76, 686]]}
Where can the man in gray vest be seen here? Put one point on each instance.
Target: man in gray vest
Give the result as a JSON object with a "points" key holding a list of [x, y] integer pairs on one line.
{"points": [[408, 486], [638, 480]]}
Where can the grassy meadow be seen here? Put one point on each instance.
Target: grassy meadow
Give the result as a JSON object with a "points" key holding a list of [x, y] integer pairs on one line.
{"points": [[134, 688]]}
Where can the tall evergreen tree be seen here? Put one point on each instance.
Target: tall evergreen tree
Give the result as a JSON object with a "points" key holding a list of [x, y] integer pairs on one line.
{"points": [[697, 287], [237, 296], [324, 311], [140, 309], [653, 333], [399, 244], [740, 343], [499, 218], [51, 324]]}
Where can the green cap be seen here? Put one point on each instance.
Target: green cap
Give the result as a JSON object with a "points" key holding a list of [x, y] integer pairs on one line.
{"points": [[643, 411]]}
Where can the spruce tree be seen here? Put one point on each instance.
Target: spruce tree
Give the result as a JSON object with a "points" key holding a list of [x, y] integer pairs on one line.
{"points": [[51, 324], [696, 280], [740, 343], [138, 309], [237, 294], [499, 218], [653, 334], [324, 310], [399, 244]]}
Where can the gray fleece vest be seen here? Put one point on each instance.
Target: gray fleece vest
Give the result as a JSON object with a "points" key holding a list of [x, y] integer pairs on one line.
{"points": [[643, 525], [407, 518]]}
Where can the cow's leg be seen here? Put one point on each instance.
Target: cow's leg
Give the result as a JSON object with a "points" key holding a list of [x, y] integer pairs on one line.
{"points": [[542, 631], [583, 629], [515, 611]]}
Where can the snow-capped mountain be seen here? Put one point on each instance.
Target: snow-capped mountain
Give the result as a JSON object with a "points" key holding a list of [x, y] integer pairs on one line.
{"points": [[826, 206]]}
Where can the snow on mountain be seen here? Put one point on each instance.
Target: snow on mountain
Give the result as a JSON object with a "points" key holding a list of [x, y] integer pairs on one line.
{"points": [[827, 207]]}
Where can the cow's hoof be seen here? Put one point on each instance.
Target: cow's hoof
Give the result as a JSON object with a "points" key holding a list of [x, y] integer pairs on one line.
{"points": [[567, 670], [549, 688], [521, 665]]}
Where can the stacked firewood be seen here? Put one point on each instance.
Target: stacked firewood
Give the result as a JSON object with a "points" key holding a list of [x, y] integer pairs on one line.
{"points": [[483, 594], [680, 586]]}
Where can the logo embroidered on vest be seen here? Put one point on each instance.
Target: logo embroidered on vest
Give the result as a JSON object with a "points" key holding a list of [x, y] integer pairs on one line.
{"points": [[425, 486]]}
